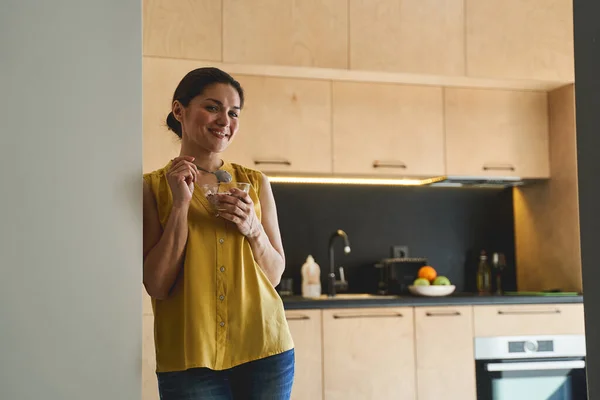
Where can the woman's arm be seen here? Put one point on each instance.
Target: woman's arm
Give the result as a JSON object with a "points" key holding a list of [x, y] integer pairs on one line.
{"points": [[163, 251], [265, 238]]}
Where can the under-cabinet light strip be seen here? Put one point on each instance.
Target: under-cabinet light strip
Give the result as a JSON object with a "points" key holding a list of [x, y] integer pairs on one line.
{"points": [[354, 181]]}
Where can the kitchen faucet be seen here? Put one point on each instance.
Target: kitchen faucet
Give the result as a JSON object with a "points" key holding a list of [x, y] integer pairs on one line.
{"points": [[332, 281]]}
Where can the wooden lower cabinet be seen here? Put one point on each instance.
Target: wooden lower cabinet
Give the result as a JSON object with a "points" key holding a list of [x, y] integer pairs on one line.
{"points": [[445, 353], [408, 353], [369, 353], [305, 327]]}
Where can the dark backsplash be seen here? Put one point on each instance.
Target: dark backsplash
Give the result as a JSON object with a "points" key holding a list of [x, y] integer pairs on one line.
{"points": [[448, 226]]}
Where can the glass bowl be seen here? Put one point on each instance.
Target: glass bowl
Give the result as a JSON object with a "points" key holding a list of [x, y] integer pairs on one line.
{"points": [[209, 190]]}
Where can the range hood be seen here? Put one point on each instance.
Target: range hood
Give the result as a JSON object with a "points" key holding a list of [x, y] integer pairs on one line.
{"points": [[479, 181]]}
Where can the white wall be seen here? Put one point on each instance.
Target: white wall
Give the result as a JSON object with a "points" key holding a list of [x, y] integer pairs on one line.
{"points": [[70, 199]]}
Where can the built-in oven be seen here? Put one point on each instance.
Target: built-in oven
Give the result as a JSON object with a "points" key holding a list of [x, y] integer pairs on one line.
{"points": [[531, 368]]}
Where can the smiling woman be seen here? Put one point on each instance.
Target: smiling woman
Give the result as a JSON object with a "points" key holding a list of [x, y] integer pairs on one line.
{"points": [[220, 327]]}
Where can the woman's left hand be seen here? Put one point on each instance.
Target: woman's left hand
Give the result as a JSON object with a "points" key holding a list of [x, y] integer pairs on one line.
{"points": [[239, 209]]}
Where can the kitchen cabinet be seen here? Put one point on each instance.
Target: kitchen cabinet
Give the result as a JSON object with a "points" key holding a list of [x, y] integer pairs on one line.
{"points": [[445, 354], [305, 327], [369, 353], [387, 130], [509, 44], [182, 29], [516, 39], [548, 250], [286, 32], [149, 382], [292, 126], [414, 36], [285, 126], [159, 80], [424, 352], [496, 133], [532, 319]]}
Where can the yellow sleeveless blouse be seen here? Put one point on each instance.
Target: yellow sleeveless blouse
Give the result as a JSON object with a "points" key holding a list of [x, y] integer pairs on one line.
{"points": [[222, 311]]}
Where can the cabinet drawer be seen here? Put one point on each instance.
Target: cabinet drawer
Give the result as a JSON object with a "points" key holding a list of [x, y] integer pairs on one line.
{"points": [[534, 319]]}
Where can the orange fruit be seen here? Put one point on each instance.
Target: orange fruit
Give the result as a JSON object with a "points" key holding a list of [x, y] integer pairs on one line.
{"points": [[427, 272]]}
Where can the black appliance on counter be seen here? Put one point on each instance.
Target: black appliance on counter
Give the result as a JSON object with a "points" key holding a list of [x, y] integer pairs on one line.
{"points": [[397, 274], [531, 367]]}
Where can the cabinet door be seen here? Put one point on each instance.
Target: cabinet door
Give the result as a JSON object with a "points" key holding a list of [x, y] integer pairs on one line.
{"points": [[496, 133], [149, 382], [529, 319], [516, 39], [369, 353], [285, 126], [305, 326], [160, 78], [415, 36], [182, 29], [445, 354], [387, 130], [286, 32]]}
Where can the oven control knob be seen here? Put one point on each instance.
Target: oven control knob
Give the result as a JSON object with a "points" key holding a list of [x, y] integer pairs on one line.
{"points": [[531, 346]]}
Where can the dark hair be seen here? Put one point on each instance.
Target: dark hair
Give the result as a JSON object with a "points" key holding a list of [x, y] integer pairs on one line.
{"points": [[194, 84]]}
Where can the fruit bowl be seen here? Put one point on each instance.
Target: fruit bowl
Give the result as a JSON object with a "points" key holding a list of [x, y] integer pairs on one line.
{"points": [[432, 290]]}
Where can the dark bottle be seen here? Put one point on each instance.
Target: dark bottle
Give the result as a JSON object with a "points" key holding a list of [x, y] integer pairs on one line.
{"points": [[484, 275]]}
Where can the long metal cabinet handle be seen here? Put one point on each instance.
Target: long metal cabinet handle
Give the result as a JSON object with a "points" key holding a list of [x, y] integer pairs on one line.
{"points": [[442, 313], [278, 162], [528, 312], [378, 164], [501, 167], [344, 316], [297, 317]]}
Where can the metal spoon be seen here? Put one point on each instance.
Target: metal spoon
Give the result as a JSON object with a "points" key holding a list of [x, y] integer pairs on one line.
{"points": [[222, 175]]}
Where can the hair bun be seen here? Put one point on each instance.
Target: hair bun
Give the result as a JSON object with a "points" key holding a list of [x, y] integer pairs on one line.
{"points": [[173, 124]]}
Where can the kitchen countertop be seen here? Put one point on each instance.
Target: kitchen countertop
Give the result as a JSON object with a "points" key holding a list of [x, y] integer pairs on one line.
{"points": [[300, 303]]}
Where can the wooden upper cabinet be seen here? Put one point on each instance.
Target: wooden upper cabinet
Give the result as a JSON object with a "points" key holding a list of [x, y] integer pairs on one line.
{"points": [[496, 133], [182, 29], [307, 33], [415, 36], [159, 79], [519, 39], [369, 353], [387, 130], [445, 353], [305, 327], [285, 126]]}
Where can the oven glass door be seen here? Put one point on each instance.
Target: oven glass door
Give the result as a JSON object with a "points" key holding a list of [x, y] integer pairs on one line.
{"points": [[532, 379]]}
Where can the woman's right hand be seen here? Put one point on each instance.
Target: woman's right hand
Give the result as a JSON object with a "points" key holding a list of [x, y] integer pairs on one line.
{"points": [[181, 177]]}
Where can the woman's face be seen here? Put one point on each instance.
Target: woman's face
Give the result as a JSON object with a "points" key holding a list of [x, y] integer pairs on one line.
{"points": [[211, 119]]}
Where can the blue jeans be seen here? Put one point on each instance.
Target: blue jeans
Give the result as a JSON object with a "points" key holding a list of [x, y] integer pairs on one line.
{"points": [[269, 378]]}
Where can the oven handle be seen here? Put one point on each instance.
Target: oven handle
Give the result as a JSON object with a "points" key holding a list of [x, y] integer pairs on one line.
{"points": [[536, 366]]}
